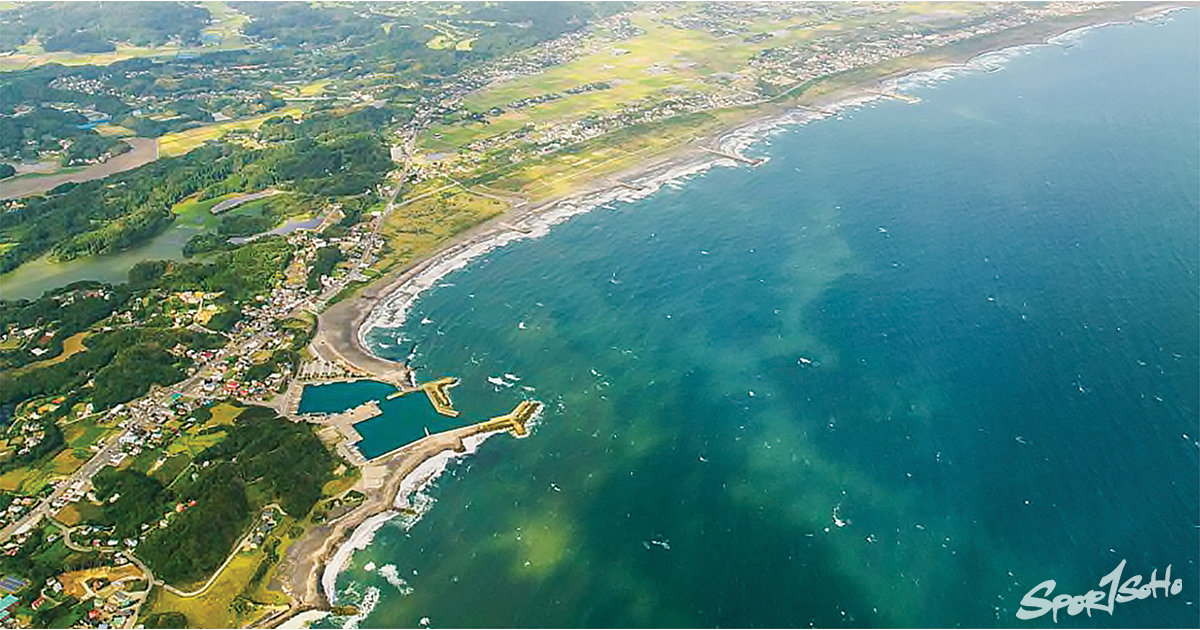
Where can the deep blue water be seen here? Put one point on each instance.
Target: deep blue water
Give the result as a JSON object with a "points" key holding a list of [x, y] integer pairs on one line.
{"points": [[925, 358]]}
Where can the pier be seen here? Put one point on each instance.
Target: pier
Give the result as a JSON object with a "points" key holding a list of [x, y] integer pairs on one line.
{"points": [[440, 396], [733, 156], [898, 96], [513, 421], [820, 110], [341, 432], [345, 421]]}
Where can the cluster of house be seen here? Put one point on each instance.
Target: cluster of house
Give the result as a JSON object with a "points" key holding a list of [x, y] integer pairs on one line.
{"points": [[864, 46], [262, 528], [19, 506]]}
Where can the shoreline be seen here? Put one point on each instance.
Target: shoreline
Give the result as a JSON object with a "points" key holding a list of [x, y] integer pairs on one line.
{"points": [[386, 302], [399, 289]]}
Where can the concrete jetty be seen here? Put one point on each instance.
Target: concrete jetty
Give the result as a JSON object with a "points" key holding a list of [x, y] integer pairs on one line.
{"points": [[344, 422], [440, 396], [733, 156], [513, 421], [907, 98]]}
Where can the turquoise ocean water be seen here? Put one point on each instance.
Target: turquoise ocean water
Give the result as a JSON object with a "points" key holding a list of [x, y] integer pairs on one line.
{"points": [[925, 358]]}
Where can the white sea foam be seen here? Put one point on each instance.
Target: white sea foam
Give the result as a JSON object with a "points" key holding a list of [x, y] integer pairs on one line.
{"points": [[362, 536], [392, 575], [411, 504], [365, 607]]}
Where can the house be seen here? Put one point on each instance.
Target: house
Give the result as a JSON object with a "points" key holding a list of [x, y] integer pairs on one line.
{"points": [[7, 603]]}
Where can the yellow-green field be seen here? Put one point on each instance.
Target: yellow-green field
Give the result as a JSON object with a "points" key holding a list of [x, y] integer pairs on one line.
{"points": [[316, 88], [71, 346], [416, 229], [224, 413], [449, 36], [114, 130], [28, 480], [192, 209], [181, 142], [77, 513], [83, 434], [226, 24], [193, 444], [29, 56]]}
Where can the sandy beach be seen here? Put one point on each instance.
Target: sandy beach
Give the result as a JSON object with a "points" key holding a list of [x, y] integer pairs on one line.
{"points": [[312, 563]]}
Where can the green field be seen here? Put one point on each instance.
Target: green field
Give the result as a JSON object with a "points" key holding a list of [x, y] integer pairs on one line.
{"points": [[31, 55], [227, 24], [417, 229], [662, 58], [181, 142]]}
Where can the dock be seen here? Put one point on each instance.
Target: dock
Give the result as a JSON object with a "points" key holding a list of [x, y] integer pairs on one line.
{"points": [[898, 96], [733, 156], [439, 395], [513, 421], [345, 421], [820, 110]]}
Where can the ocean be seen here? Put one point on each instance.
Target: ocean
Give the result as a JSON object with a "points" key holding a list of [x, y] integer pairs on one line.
{"points": [[923, 359]]}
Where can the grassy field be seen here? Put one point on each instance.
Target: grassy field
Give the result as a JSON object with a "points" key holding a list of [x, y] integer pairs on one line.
{"points": [[224, 413], [226, 24], [29, 56], [29, 480], [71, 346], [192, 443], [114, 130], [662, 58], [83, 434], [77, 513], [416, 229], [198, 212], [181, 142]]}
